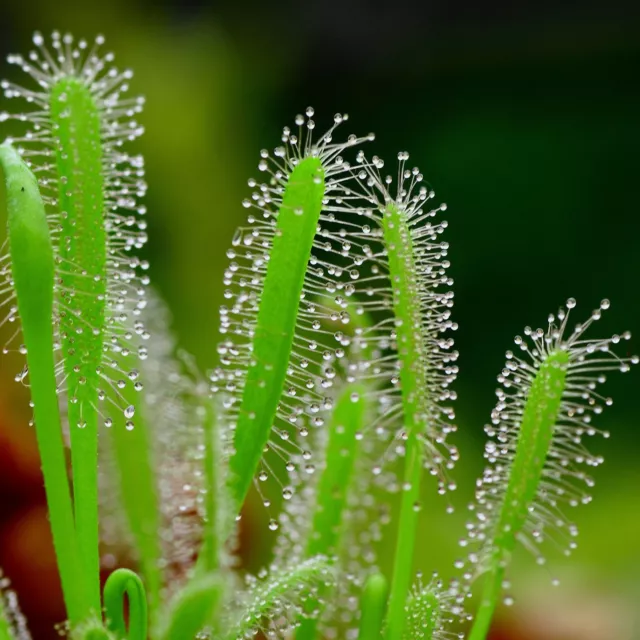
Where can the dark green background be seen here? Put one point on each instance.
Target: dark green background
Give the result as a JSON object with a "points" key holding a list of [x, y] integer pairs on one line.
{"points": [[524, 117]]}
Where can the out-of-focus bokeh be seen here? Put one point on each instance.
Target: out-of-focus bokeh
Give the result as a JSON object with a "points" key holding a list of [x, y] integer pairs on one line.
{"points": [[525, 118]]}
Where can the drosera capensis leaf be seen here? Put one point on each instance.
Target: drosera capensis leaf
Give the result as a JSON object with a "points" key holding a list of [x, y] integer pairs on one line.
{"points": [[276, 320], [13, 625], [430, 611], [347, 423], [404, 240], [373, 607], [535, 453], [334, 485], [79, 121], [274, 604], [32, 273], [271, 372], [120, 583], [194, 608]]}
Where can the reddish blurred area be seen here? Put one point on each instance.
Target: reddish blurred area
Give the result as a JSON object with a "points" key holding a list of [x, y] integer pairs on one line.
{"points": [[26, 549]]}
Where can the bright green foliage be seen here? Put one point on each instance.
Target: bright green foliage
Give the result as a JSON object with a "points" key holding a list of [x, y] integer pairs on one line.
{"points": [[213, 528], [373, 607], [272, 598], [534, 442], [423, 616], [33, 268], [276, 322], [345, 431], [99, 633], [194, 608], [415, 402], [119, 583]]}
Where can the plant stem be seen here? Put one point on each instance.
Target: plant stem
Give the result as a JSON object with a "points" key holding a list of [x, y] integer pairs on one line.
{"points": [[211, 538], [405, 543], [84, 464]]}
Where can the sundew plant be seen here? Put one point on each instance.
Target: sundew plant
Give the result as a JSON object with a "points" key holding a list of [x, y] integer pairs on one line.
{"points": [[333, 389]]}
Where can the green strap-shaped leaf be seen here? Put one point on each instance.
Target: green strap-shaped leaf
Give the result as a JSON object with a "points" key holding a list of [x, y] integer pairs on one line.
{"points": [[119, 583], [535, 454], [194, 608], [83, 252], [346, 425], [276, 320], [32, 269], [373, 607], [534, 443], [412, 353], [282, 594]]}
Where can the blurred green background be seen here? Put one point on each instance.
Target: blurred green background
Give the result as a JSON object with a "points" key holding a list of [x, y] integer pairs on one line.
{"points": [[525, 118]]}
